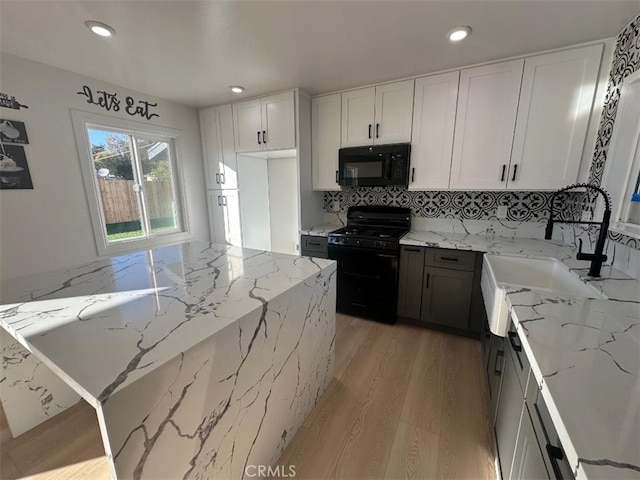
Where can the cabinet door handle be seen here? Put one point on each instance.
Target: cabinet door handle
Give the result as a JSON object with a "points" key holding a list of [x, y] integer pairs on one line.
{"points": [[555, 454], [224, 201], [222, 178], [264, 136], [259, 142], [407, 249], [413, 174], [512, 341], [219, 200], [377, 130], [428, 278], [450, 259], [370, 130], [499, 353], [337, 175], [515, 169], [314, 244], [217, 178], [504, 170]]}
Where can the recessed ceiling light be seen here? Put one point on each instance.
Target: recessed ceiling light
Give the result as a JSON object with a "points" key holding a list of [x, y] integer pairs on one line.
{"points": [[101, 29], [236, 88], [458, 33]]}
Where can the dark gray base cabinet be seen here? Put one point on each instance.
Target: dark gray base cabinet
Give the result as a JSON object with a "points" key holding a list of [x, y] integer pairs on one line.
{"points": [[410, 282], [440, 288], [528, 445], [446, 297], [313, 246]]}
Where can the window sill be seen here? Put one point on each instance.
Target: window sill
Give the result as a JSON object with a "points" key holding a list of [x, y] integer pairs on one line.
{"points": [[629, 229], [138, 245]]}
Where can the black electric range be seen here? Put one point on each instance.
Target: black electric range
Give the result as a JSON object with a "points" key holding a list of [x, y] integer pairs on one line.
{"points": [[368, 254]]}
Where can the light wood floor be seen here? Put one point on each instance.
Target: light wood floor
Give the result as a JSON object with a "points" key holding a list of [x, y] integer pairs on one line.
{"points": [[406, 403]]}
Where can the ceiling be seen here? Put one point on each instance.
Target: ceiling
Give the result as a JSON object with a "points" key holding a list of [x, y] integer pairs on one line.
{"points": [[191, 51]]}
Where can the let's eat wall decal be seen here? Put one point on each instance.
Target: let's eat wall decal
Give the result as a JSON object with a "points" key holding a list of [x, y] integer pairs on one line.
{"points": [[9, 101], [110, 101]]}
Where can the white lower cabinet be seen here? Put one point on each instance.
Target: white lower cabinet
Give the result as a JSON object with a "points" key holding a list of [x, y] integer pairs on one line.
{"points": [[224, 217], [434, 116]]}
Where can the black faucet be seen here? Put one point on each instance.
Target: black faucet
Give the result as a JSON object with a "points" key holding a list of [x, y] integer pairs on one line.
{"points": [[597, 258]]}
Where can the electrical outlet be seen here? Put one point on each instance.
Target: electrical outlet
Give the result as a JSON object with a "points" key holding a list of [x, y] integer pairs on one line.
{"points": [[586, 216], [335, 206], [501, 211]]}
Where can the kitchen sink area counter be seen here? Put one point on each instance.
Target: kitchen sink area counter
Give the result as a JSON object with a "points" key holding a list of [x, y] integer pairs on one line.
{"points": [[585, 357], [187, 352], [584, 352]]}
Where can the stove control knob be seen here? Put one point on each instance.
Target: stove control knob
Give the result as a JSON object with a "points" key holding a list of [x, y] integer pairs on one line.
{"points": [[357, 242]]}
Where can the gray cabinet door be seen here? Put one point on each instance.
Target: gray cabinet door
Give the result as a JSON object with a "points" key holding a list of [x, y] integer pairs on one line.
{"points": [[528, 462], [510, 407], [410, 282], [446, 297], [495, 371]]}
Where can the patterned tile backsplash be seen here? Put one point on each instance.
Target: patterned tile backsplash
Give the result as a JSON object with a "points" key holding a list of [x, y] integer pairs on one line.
{"points": [[463, 205], [626, 60]]}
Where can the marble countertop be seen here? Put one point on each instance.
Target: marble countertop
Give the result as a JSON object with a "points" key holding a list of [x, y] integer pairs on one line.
{"points": [[321, 230], [584, 353], [585, 356], [103, 325]]}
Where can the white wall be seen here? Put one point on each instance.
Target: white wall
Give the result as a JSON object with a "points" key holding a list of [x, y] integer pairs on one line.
{"points": [[283, 204], [49, 227], [253, 181]]}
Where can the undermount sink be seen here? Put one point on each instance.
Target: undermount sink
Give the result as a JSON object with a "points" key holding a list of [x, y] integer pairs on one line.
{"points": [[541, 274]]}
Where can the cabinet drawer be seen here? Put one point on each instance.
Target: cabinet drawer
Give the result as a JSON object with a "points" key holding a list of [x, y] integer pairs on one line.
{"points": [[313, 243], [311, 253], [453, 259]]}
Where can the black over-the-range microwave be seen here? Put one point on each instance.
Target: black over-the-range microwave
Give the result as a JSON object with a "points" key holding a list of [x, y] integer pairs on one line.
{"points": [[375, 165]]}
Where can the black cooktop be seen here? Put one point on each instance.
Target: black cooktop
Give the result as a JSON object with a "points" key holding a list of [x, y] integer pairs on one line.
{"points": [[370, 232], [377, 227]]}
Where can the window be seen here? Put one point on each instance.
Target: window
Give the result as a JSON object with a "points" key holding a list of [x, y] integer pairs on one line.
{"points": [[131, 178], [622, 177]]}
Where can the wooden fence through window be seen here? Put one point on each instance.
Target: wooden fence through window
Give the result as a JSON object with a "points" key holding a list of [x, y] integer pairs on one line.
{"points": [[120, 204]]}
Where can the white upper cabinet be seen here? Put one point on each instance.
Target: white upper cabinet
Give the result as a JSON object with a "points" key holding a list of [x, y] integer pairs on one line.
{"points": [[553, 115], [325, 141], [248, 126], [358, 117], [377, 115], [434, 116], [216, 126], [485, 124], [224, 217], [393, 112], [266, 123], [278, 122]]}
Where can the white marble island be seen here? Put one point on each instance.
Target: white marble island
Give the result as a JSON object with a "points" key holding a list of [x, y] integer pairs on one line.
{"points": [[199, 359]]}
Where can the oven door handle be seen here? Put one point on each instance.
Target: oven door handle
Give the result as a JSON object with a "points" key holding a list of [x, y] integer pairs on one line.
{"points": [[383, 255], [359, 275]]}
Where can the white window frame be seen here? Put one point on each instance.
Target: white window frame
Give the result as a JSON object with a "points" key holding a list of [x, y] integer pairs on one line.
{"points": [[623, 159], [82, 121]]}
